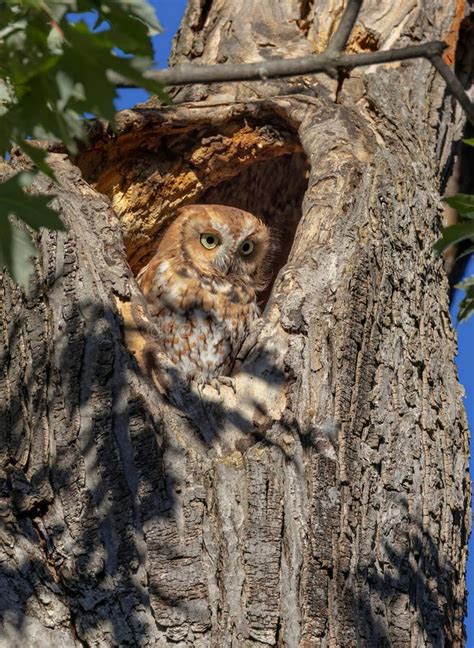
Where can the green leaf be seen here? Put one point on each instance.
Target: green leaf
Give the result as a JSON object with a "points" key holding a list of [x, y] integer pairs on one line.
{"points": [[122, 13], [31, 209], [39, 158], [462, 203], [55, 70], [469, 141], [454, 234], [129, 33], [16, 251], [16, 247], [466, 283], [466, 307], [145, 12], [89, 57]]}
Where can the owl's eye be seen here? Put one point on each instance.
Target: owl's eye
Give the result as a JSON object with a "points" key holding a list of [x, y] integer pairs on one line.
{"points": [[247, 247], [209, 241]]}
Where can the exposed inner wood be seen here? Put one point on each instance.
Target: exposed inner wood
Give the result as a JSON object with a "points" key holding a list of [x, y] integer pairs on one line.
{"points": [[149, 173]]}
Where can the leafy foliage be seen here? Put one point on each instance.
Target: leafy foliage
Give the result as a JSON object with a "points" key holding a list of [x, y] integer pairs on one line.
{"points": [[54, 68], [454, 234], [462, 231], [466, 307], [16, 248]]}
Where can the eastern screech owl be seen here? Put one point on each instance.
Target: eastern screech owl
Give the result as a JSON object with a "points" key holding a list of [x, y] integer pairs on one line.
{"points": [[201, 286]]}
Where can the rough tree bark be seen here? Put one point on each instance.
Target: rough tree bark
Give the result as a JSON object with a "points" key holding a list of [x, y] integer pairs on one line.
{"points": [[326, 502]]}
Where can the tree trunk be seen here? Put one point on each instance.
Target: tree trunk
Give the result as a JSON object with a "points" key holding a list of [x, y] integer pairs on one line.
{"points": [[325, 503]]}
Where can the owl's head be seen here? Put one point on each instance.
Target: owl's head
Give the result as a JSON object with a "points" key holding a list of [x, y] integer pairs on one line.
{"points": [[220, 241]]}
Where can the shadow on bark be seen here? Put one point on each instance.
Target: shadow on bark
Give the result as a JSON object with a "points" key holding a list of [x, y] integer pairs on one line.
{"points": [[414, 574], [82, 517], [131, 522]]}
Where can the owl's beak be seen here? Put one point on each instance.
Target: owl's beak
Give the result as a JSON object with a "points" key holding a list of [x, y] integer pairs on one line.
{"points": [[224, 264]]}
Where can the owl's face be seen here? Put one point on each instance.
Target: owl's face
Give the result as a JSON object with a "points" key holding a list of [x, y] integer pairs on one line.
{"points": [[221, 242]]}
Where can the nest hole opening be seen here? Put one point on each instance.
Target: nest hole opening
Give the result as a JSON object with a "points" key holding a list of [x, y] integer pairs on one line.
{"points": [[253, 164], [273, 190]]}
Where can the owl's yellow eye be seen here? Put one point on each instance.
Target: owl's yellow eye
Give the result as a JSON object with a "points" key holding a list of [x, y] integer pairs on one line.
{"points": [[209, 241], [247, 247]]}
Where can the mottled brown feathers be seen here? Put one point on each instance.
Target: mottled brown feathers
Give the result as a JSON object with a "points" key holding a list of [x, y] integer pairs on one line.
{"points": [[201, 286]]}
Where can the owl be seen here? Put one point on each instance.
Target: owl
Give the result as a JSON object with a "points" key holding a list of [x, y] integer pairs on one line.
{"points": [[201, 287]]}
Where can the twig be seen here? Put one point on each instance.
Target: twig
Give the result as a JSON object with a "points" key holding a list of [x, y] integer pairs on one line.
{"points": [[184, 74], [455, 86], [340, 37]]}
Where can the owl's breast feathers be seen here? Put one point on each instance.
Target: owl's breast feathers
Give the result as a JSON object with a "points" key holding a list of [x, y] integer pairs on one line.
{"points": [[202, 320]]}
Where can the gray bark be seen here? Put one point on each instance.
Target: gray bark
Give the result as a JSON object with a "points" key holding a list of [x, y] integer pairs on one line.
{"points": [[326, 502]]}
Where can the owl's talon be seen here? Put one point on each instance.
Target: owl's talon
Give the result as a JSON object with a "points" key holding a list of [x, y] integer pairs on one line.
{"points": [[216, 384], [228, 382]]}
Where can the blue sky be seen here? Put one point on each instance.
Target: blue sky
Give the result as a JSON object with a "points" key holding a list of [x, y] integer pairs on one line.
{"points": [[465, 332], [170, 13]]}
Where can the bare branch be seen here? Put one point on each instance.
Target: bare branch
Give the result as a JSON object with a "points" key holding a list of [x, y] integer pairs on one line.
{"points": [[317, 64], [340, 37], [454, 86], [184, 74]]}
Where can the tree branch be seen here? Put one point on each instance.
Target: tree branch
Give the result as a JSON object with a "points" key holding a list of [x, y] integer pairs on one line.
{"points": [[184, 74], [319, 63], [454, 86], [340, 37]]}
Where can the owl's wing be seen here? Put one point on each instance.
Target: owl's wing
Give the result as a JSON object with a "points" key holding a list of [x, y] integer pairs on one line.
{"points": [[145, 277]]}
